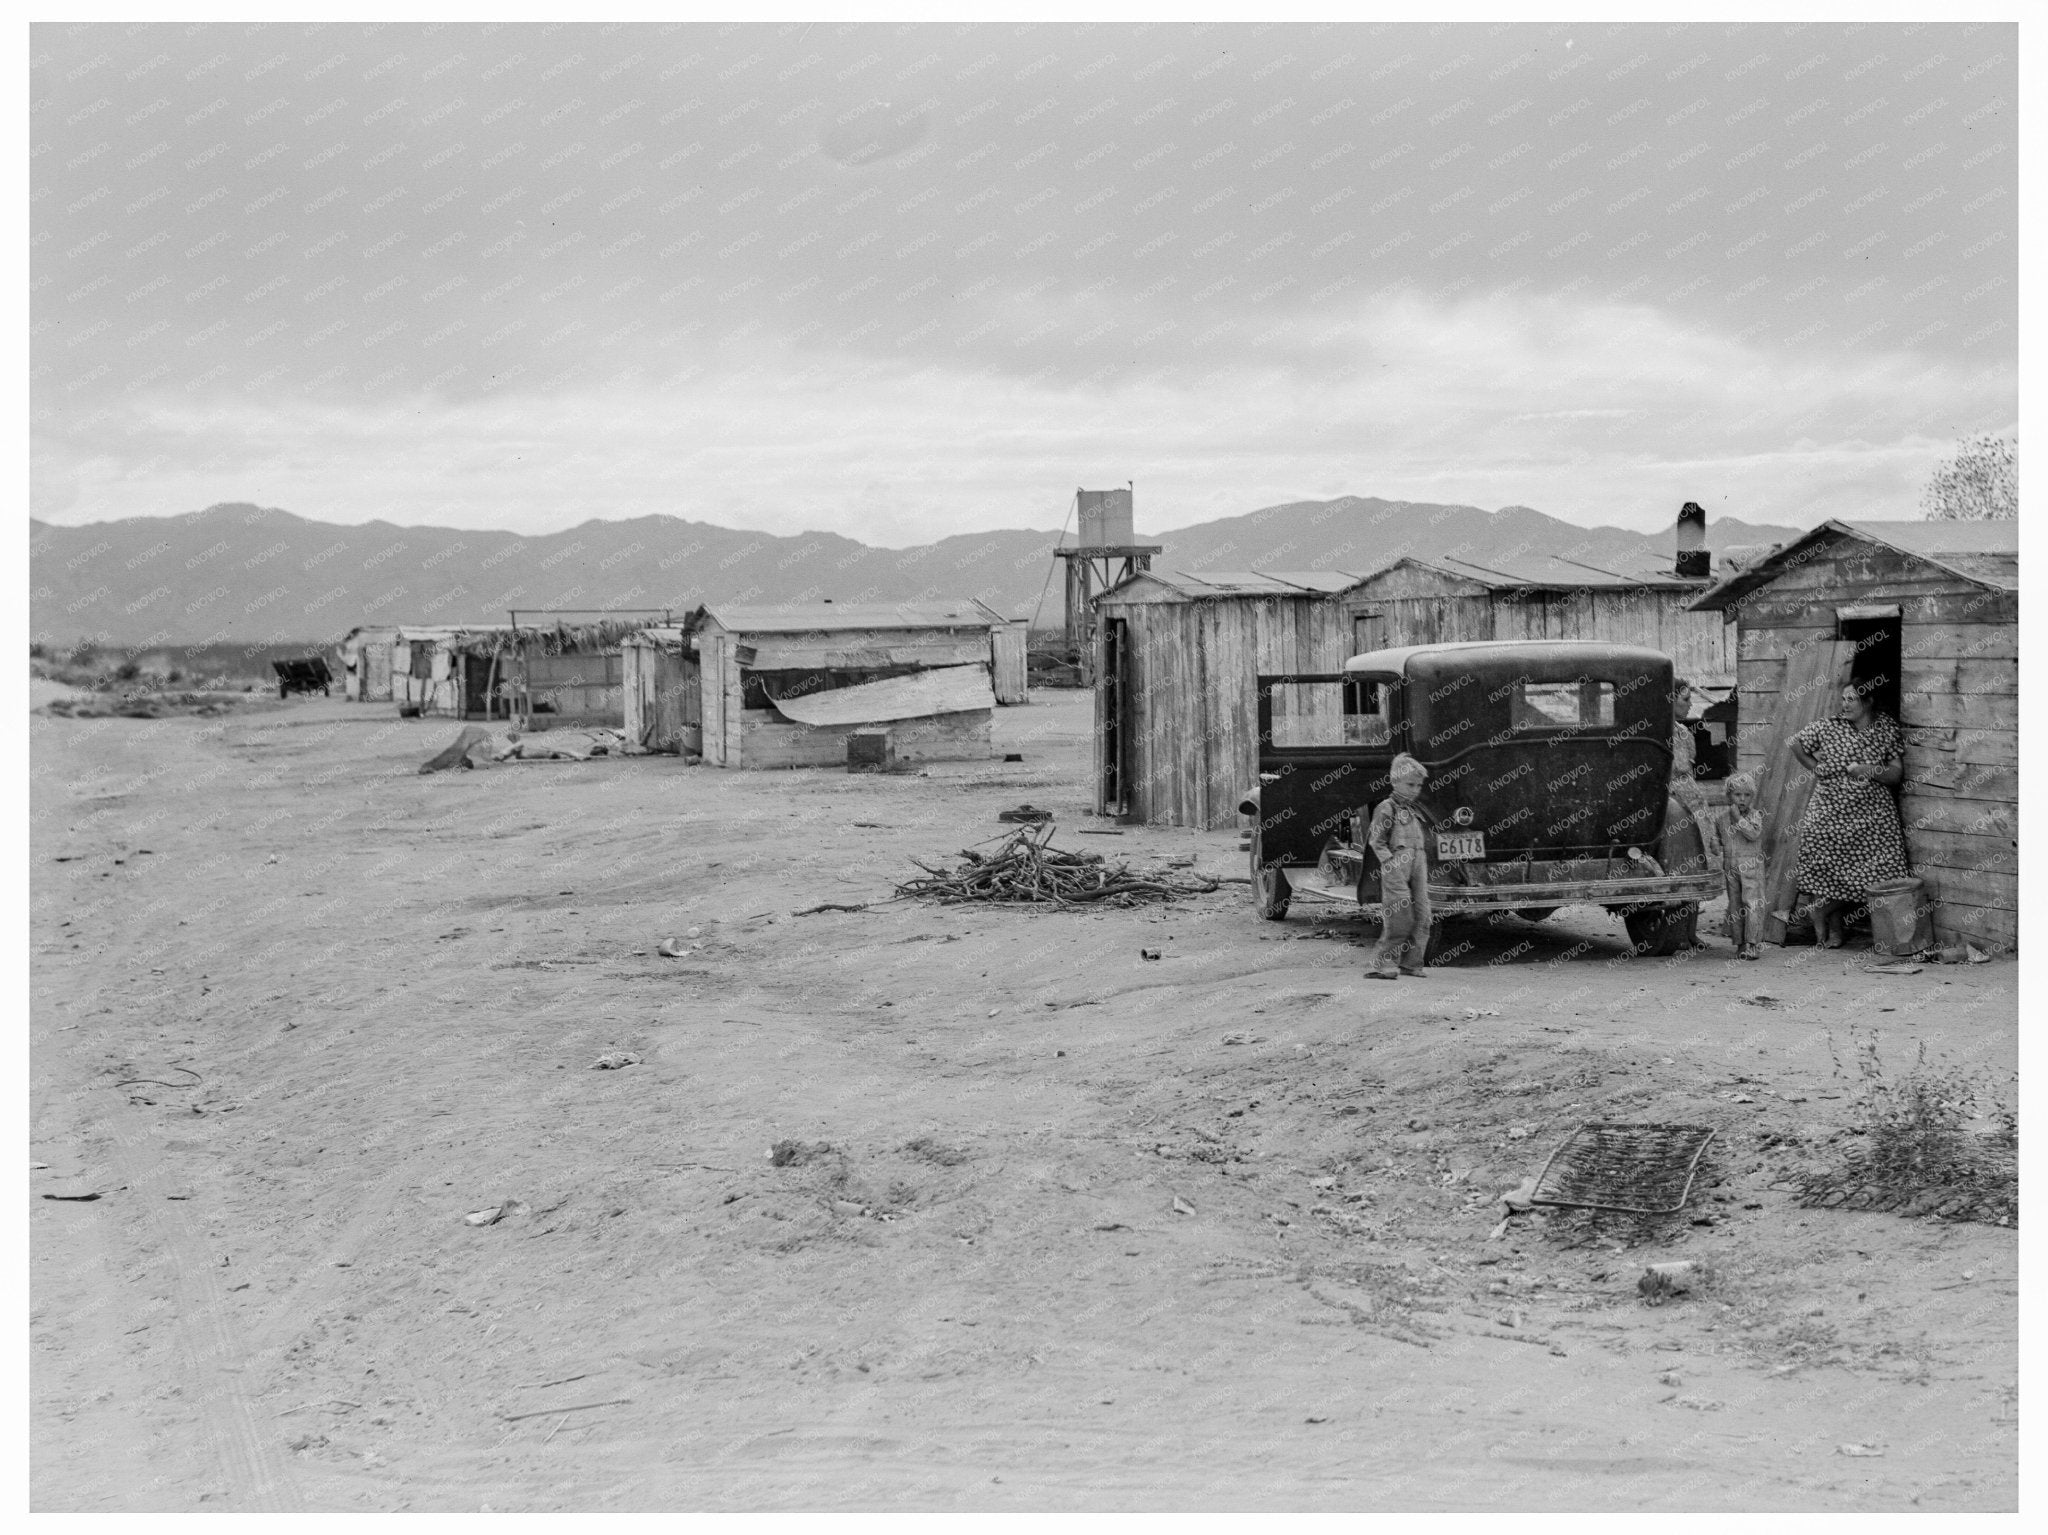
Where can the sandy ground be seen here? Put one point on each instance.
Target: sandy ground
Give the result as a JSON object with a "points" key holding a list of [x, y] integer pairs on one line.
{"points": [[297, 1010]]}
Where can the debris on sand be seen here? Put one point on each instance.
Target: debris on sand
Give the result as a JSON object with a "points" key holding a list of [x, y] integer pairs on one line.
{"points": [[1025, 814], [493, 1214], [1026, 870], [153, 706], [1666, 1281], [471, 748], [616, 1062], [797, 1153]]}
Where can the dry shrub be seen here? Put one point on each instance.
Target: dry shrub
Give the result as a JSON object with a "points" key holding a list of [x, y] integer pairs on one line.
{"points": [[1934, 1140]]}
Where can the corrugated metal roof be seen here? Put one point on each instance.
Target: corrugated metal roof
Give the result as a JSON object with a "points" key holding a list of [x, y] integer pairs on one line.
{"points": [[1507, 572], [1316, 580], [1209, 584], [824, 617], [1983, 553]]}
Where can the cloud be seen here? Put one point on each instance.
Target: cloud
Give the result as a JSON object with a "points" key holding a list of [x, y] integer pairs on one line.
{"points": [[1593, 411]]}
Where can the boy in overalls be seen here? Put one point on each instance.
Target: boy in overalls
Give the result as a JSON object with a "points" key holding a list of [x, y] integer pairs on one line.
{"points": [[1397, 837], [1741, 830]]}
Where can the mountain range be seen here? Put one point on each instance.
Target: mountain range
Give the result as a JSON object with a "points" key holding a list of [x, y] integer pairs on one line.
{"points": [[262, 575]]}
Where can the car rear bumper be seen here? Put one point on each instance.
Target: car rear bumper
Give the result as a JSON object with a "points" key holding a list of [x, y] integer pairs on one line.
{"points": [[1342, 868]]}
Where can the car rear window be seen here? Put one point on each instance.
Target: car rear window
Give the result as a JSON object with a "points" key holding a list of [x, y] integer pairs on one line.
{"points": [[1581, 704], [1348, 713]]}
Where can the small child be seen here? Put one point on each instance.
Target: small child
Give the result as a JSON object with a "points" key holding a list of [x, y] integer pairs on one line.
{"points": [[1398, 838], [1741, 829]]}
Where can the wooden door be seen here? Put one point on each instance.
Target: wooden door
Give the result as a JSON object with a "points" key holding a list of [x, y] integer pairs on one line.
{"points": [[1112, 694], [1812, 691]]}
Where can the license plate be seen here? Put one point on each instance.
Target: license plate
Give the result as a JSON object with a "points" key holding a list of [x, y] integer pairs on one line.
{"points": [[1460, 845]]}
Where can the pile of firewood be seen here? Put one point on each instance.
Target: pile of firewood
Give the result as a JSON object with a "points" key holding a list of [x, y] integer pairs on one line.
{"points": [[1025, 869]]}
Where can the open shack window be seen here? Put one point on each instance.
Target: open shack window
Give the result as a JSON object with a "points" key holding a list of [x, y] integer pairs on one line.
{"points": [[1343, 713], [764, 689], [1583, 704]]}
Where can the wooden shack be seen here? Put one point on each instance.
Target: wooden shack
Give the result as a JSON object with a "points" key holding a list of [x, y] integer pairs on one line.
{"points": [[1926, 614], [664, 697], [768, 677], [365, 654], [1418, 601], [1177, 660], [460, 672]]}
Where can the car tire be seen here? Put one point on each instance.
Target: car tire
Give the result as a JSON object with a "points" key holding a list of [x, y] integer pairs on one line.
{"points": [[1661, 931], [1535, 913], [1270, 890]]}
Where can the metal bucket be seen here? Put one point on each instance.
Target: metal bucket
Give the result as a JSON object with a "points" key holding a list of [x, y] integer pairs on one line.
{"points": [[1901, 918]]}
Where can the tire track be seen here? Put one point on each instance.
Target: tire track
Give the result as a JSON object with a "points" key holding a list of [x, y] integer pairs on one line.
{"points": [[250, 1461]]}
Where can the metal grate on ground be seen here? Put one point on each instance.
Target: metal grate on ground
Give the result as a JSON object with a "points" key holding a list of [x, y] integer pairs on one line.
{"points": [[1639, 1169]]}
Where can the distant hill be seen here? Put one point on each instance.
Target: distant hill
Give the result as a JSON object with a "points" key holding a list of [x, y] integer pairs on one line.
{"points": [[256, 574]]}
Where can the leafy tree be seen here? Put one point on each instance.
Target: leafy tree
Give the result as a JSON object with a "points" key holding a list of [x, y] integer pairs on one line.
{"points": [[1981, 482]]}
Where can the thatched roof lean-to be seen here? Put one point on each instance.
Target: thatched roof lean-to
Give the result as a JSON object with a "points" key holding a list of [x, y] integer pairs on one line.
{"points": [[591, 637]]}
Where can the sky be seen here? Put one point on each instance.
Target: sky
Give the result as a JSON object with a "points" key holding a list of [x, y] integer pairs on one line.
{"points": [[906, 281]]}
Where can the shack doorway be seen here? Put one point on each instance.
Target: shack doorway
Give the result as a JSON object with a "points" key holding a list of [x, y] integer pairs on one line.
{"points": [[1875, 656], [476, 686], [1115, 685], [1368, 633]]}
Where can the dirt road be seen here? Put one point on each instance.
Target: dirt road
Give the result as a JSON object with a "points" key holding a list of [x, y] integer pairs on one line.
{"points": [[1085, 1230]]}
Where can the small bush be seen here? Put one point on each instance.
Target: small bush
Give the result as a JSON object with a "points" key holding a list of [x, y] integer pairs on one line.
{"points": [[38, 651], [1911, 1147], [84, 653], [128, 671]]}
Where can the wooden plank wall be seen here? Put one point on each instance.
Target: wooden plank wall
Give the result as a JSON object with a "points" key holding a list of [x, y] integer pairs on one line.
{"points": [[663, 698], [1007, 667], [1958, 706], [767, 740], [1192, 750], [713, 661], [1424, 609]]}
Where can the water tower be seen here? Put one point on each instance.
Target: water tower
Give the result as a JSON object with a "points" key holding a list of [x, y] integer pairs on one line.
{"points": [[1108, 552]]}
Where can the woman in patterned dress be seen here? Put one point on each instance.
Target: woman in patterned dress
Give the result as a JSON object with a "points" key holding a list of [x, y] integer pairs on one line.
{"points": [[1850, 838]]}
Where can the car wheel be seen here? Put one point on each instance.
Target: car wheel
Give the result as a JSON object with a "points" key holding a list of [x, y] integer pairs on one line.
{"points": [[1661, 931], [1270, 889], [1535, 913]]}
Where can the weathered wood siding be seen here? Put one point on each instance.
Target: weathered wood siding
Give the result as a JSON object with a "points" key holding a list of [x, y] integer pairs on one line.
{"points": [[1190, 750], [712, 664], [1419, 608], [1958, 707], [767, 740], [575, 691], [1006, 662], [664, 699]]}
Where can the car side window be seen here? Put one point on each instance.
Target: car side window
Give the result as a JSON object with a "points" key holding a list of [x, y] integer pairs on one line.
{"points": [[1368, 719]]}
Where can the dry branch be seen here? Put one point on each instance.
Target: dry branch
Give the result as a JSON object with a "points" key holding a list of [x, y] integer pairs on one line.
{"points": [[1024, 869]]}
